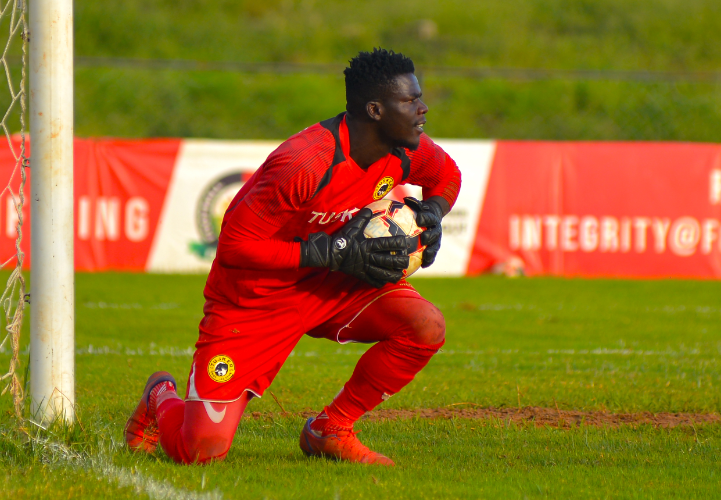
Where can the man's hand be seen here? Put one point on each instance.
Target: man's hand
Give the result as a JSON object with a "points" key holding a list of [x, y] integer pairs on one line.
{"points": [[376, 261], [428, 215]]}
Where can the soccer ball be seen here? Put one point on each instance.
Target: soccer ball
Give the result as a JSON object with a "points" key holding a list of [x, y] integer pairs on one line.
{"points": [[394, 218]]}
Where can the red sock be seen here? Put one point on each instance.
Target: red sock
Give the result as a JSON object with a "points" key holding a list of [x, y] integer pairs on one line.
{"points": [[382, 371], [324, 424], [159, 389], [171, 414]]}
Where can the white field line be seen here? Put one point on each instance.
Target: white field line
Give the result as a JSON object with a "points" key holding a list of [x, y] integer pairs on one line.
{"points": [[134, 305], [586, 352], [187, 352], [159, 490], [602, 351], [104, 469], [668, 309]]}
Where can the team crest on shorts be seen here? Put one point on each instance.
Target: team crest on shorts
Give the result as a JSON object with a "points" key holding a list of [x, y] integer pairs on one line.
{"points": [[221, 368], [383, 188]]}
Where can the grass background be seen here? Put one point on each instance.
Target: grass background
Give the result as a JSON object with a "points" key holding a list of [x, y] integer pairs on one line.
{"points": [[614, 345], [668, 35], [113, 98]]}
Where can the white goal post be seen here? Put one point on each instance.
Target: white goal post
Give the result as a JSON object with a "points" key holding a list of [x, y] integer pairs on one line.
{"points": [[52, 294]]}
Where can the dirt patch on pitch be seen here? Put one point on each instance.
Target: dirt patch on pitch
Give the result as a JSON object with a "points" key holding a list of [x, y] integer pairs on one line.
{"points": [[533, 415], [552, 417]]}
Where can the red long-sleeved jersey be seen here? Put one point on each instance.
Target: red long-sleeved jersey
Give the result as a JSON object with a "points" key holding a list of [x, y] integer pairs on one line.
{"points": [[309, 184]]}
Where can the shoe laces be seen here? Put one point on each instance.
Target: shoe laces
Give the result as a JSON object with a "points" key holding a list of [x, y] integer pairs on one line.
{"points": [[338, 430]]}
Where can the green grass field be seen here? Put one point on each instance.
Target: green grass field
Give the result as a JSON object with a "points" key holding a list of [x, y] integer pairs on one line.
{"points": [[613, 345], [602, 35]]}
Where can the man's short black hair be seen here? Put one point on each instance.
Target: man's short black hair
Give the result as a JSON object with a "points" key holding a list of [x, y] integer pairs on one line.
{"points": [[370, 77]]}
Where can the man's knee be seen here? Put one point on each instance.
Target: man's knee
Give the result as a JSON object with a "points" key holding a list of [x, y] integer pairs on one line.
{"points": [[428, 327]]}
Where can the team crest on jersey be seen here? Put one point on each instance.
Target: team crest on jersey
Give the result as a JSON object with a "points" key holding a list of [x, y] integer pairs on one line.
{"points": [[221, 368], [383, 188]]}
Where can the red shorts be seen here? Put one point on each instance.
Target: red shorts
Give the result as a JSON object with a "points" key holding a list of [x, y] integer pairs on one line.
{"points": [[242, 349]]}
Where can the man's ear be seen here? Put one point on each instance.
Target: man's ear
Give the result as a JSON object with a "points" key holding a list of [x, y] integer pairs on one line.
{"points": [[375, 110]]}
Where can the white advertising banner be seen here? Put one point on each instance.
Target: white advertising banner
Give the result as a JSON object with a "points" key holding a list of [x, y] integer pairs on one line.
{"points": [[208, 173]]}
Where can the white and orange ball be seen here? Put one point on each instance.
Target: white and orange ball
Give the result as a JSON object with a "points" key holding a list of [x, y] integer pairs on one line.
{"points": [[395, 218]]}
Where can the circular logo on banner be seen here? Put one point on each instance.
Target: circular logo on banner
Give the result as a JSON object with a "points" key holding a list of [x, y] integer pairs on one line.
{"points": [[383, 187], [212, 204], [221, 368]]}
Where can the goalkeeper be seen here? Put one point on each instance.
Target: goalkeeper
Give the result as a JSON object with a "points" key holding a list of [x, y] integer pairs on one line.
{"points": [[292, 261]]}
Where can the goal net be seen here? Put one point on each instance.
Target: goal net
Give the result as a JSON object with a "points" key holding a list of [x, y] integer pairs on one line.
{"points": [[14, 37]]}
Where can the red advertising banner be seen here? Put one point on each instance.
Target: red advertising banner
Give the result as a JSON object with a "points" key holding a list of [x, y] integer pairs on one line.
{"points": [[120, 187], [561, 208], [602, 209]]}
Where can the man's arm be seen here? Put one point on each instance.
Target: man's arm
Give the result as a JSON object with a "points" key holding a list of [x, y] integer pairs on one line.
{"points": [[286, 180], [436, 172], [244, 243], [440, 178], [441, 201]]}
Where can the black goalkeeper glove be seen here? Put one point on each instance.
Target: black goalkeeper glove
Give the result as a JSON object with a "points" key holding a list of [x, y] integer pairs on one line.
{"points": [[376, 261], [428, 215]]}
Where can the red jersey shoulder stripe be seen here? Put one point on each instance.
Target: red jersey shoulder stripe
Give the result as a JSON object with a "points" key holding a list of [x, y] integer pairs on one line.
{"points": [[291, 174]]}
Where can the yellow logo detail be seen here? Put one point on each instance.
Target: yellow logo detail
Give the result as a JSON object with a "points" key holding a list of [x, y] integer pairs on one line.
{"points": [[383, 187], [221, 368]]}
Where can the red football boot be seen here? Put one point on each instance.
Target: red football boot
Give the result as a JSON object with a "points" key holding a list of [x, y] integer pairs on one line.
{"points": [[141, 430], [340, 444]]}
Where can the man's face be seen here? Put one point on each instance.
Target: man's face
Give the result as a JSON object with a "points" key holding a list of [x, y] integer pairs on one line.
{"points": [[403, 114]]}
